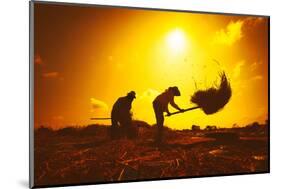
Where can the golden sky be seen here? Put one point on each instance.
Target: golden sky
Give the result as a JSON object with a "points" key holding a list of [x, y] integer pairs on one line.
{"points": [[87, 57]]}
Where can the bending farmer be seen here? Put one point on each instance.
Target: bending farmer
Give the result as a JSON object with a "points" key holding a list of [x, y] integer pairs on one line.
{"points": [[160, 105]]}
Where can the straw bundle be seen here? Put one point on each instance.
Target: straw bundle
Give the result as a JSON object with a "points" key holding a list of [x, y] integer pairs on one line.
{"points": [[215, 98]]}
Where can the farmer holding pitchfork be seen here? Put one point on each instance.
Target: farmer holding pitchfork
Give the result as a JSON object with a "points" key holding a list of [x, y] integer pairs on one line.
{"points": [[160, 105]]}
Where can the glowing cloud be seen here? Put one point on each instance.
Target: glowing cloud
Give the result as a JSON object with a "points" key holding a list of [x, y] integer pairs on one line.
{"points": [[231, 34], [98, 104]]}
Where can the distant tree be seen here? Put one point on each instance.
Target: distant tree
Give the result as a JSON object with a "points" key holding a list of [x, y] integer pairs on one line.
{"points": [[211, 127], [255, 124], [195, 127], [43, 130]]}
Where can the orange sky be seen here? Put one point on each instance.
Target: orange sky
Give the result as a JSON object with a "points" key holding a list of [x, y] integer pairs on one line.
{"points": [[87, 57]]}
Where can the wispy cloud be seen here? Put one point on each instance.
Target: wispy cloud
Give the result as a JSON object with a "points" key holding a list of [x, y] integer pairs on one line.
{"points": [[235, 30], [50, 75], [98, 104], [253, 21], [237, 68], [254, 66], [38, 60], [149, 93], [257, 78], [58, 118], [230, 34]]}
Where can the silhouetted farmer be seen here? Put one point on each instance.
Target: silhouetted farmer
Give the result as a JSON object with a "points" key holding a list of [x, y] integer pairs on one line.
{"points": [[121, 115], [160, 105]]}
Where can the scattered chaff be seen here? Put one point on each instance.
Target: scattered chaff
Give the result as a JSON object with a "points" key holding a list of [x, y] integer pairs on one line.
{"points": [[125, 153], [162, 173], [178, 163], [121, 174], [126, 165], [142, 158]]}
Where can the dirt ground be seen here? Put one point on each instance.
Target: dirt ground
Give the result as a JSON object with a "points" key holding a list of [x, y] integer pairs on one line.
{"points": [[87, 155]]}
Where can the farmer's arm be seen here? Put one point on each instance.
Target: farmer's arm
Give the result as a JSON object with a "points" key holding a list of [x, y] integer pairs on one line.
{"points": [[172, 102]]}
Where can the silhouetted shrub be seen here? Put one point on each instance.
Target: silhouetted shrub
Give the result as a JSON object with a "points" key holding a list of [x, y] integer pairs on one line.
{"points": [[224, 136], [67, 131], [44, 131]]}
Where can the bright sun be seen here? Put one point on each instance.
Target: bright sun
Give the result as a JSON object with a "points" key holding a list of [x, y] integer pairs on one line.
{"points": [[176, 40]]}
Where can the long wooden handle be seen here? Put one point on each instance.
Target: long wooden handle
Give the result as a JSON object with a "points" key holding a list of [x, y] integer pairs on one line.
{"points": [[100, 118], [185, 110]]}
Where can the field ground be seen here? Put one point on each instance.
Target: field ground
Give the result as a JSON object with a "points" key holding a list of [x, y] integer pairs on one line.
{"points": [[87, 155]]}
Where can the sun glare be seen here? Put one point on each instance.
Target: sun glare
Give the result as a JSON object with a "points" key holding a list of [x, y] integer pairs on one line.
{"points": [[176, 40]]}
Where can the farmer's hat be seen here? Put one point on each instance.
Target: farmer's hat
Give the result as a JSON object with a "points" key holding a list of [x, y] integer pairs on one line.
{"points": [[175, 91], [132, 94]]}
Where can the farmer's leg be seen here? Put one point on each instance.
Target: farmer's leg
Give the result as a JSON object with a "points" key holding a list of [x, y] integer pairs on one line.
{"points": [[159, 122], [129, 128], [114, 128], [126, 124]]}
